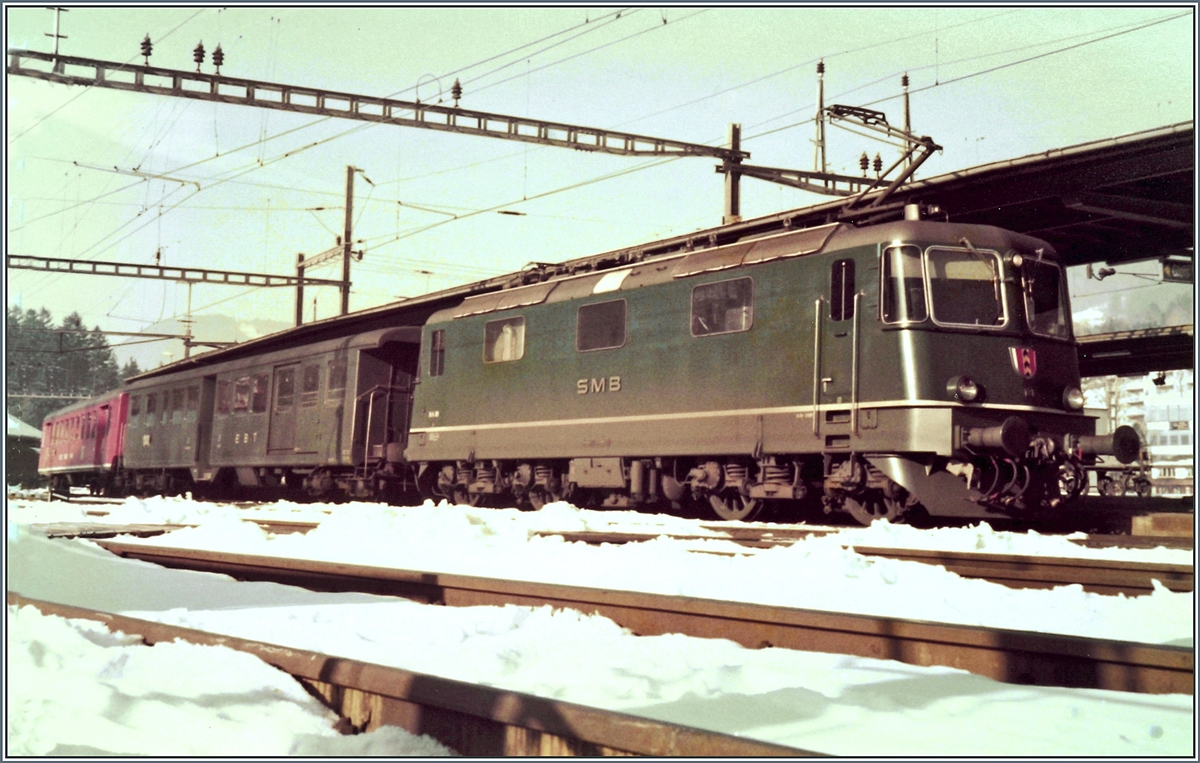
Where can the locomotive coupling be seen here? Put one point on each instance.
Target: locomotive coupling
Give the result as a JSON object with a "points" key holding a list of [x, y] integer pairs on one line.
{"points": [[1123, 444], [1011, 437]]}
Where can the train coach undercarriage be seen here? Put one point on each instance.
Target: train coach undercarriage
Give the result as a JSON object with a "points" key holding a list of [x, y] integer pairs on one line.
{"points": [[1000, 471]]}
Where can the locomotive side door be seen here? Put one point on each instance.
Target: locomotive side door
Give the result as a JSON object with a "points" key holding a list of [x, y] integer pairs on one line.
{"points": [[282, 436], [834, 348]]}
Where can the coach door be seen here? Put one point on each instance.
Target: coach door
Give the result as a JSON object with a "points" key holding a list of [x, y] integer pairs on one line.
{"points": [[835, 346], [283, 409]]}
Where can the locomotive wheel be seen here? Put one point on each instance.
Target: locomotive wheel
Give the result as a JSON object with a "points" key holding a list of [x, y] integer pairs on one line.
{"points": [[732, 505], [1144, 488], [874, 507]]}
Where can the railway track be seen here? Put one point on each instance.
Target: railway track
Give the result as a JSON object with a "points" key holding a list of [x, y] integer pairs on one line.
{"points": [[1004, 655], [1016, 571], [475, 720]]}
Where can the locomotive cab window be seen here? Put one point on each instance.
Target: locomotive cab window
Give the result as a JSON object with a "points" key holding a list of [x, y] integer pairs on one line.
{"points": [[437, 352], [601, 326], [724, 307], [965, 287], [841, 290], [504, 340], [1045, 298], [903, 286]]}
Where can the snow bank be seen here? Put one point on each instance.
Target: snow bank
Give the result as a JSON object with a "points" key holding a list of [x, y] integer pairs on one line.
{"points": [[76, 689]]}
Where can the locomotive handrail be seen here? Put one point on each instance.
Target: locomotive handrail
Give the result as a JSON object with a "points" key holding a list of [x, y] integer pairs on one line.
{"points": [[817, 368], [854, 367]]}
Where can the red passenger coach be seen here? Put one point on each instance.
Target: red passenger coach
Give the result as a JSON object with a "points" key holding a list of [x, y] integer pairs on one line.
{"points": [[83, 445]]}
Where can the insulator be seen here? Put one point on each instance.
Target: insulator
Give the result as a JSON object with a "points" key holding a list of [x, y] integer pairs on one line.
{"points": [[198, 54], [904, 80], [863, 162], [820, 67], [456, 91], [878, 164], [147, 47], [218, 56]]}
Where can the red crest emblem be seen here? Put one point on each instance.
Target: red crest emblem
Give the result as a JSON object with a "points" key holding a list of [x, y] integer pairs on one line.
{"points": [[1024, 361]]}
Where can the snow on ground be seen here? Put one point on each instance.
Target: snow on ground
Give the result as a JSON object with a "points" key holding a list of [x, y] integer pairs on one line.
{"points": [[821, 702], [818, 572], [75, 689]]}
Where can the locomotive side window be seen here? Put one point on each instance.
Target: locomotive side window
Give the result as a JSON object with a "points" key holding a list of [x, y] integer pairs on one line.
{"points": [[224, 396], [504, 340], [723, 307], [841, 290], [193, 403], [1045, 304], [964, 287], [337, 379], [241, 395], [903, 288], [258, 402], [151, 408], [310, 390], [601, 326], [437, 352]]}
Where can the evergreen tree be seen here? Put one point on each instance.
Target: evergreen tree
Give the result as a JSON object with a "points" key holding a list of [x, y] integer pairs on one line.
{"points": [[130, 369], [40, 361]]}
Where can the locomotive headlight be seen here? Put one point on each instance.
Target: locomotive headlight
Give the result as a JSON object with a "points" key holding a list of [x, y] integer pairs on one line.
{"points": [[1073, 398], [965, 388]]}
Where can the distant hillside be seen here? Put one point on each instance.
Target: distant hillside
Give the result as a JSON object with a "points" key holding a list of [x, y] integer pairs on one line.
{"points": [[221, 328]]}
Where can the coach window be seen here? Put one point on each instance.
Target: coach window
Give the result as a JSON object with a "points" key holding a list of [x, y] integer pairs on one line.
{"points": [[285, 396], [337, 380], [135, 409], [177, 406], [723, 307], [841, 290], [601, 326], [262, 385], [504, 340], [437, 352], [224, 397], [151, 409], [310, 389], [964, 287], [903, 298], [241, 395], [193, 403]]}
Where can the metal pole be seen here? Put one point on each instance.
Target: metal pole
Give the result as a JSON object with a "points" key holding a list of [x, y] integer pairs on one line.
{"points": [[187, 335], [346, 240], [299, 289], [908, 147], [819, 162], [733, 195]]}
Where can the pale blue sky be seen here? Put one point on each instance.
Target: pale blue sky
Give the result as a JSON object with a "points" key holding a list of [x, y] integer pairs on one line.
{"points": [[1093, 74]]}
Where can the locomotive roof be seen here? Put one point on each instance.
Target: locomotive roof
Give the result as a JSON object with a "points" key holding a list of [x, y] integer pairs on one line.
{"points": [[751, 251]]}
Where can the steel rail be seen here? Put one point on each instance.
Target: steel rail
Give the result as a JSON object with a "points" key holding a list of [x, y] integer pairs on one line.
{"points": [[1004, 655], [1104, 576], [470, 718]]}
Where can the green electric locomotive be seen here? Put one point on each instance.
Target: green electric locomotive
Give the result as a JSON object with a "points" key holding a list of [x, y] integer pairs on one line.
{"points": [[900, 370]]}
